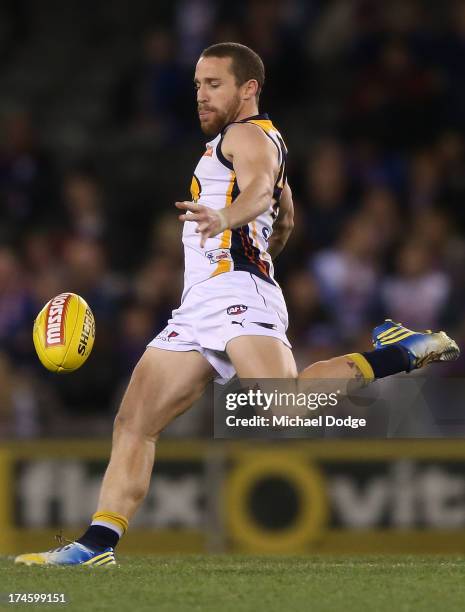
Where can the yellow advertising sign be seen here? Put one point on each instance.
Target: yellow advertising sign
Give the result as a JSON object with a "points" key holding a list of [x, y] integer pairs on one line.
{"points": [[288, 497]]}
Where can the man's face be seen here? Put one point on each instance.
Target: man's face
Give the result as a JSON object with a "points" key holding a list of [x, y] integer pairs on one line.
{"points": [[218, 96]]}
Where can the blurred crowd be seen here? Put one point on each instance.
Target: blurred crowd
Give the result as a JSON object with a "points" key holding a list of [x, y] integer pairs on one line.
{"points": [[370, 98]]}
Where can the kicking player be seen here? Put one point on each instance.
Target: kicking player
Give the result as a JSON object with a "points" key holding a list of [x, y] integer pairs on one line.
{"points": [[232, 317]]}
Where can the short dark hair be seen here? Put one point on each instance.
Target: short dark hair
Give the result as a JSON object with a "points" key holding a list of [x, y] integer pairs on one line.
{"points": [[246, 64]]}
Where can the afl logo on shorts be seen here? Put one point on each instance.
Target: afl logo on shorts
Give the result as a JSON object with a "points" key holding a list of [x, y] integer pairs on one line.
{"points": [[236, 309]]}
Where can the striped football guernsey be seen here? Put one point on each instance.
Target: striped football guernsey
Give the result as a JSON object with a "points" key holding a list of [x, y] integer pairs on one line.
{"points": [[214, 184]]}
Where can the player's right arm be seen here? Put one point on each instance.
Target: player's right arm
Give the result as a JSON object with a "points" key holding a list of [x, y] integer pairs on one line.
{"points": [[283, 225], [256, 168]]}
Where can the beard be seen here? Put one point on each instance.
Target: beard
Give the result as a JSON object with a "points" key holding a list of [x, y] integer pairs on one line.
{"points": [[218, 119]]}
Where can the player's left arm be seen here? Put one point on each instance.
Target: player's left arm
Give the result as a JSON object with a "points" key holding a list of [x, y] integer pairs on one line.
{"points": [[256, 166], [283, 225]]}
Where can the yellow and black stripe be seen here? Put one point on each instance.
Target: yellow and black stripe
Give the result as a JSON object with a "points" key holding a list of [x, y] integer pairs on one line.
{"points": [[106, 558], [394, 334]]}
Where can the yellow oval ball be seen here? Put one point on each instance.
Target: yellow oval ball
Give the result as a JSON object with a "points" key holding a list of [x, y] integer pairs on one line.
{"points": [[64, 333]]}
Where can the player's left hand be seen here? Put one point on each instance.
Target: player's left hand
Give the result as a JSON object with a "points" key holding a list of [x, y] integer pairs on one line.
{"points": [[210, 222]]}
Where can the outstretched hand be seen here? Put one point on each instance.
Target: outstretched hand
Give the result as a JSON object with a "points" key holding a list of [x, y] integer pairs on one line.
{"points": [[210, 222]]}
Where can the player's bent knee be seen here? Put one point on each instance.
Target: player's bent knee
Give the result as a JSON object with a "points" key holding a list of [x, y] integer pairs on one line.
{"points": [[129, 426], [154, 397], [319, 369], [145, 414], [145, 422], [153, 385]]}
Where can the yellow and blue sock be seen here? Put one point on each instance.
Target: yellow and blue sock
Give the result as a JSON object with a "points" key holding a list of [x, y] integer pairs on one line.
{"points": [[381, 362], [105, 530]]}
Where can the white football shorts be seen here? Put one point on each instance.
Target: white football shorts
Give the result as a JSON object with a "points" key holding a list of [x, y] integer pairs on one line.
{"points": [[219, 309]]}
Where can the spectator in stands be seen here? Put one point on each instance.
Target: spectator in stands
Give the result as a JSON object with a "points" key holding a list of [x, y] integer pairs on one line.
{"points": [[149, 96], [16, 308], [347, 275], [82, 198], [425, 180], [419, 289], [19, 405], [26, 175], [327, 202], [381, 207]]}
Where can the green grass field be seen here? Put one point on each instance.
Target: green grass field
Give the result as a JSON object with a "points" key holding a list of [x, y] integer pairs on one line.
{"points": [[236, 583]]}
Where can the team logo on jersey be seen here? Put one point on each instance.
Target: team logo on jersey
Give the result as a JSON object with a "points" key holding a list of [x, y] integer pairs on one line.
{"points": [[208, 152], [236, 309], [166, 335], [217, 255], [266, 233]]}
